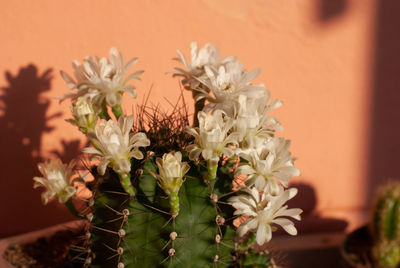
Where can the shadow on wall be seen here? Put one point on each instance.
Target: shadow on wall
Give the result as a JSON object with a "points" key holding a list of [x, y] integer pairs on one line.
{"points": [[385, 117], [384, 133], [385, 99], [330, 9], [306, 199], [23, 121]]}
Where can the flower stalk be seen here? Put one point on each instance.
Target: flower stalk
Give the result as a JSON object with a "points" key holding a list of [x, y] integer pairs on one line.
{"points": [[171, 171], [117, 111], [71, 207], [212, 168], [173, 199], [127, 184], [104, 113]]}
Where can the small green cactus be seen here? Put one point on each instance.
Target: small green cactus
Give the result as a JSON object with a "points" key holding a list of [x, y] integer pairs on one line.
{"points": [[166, 194], [385, 226]]}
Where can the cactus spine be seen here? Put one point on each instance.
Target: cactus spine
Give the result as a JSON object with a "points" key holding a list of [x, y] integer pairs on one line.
{"points": [[386, 226]]}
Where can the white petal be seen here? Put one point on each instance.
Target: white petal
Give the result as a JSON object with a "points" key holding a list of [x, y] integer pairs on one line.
{"points": [[102, 166], [124, 166], [274, 188], [227, 152], [130, 63], [134, 76], [125, 123], [39, 182], [90, 150], [46, 196], [192, 131], [270, 159], [139, 140], [70, 82], [111, 100], [131, 90], [207, 154], [292, 192], [259, 182], [287, 225], [252, 75], [243, 229], [261, 235], [244, 169], [253, 224], [114, 56], [136, 154], [194, 154], [275, 104], [292, 212]]}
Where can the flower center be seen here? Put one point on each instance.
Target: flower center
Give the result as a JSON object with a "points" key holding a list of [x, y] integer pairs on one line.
{"points": [[227, 87], [261, 205], [263, 217], [110, 75]]}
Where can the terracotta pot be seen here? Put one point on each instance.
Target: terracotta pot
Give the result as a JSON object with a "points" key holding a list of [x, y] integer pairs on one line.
{"points": [[31, 237]]}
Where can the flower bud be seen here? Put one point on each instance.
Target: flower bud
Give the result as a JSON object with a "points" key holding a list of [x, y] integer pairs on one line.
{"points": [[84, 115]]}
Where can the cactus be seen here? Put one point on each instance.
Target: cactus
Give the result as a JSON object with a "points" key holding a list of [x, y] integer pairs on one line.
{"points": [[144, 231], [166, 194], [385, 226]]}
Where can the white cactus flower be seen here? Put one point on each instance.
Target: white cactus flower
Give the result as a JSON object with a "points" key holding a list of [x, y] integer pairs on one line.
{"points": [[56, 179], [84, 114], [251, 120], [116, 145], [211, 137], [208, 55], [102, 79], [171, 171], [227, 82], [263, 211], [267, 163]]}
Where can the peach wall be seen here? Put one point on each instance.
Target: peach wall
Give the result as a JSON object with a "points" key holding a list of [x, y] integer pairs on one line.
{"points": [[317, 61]]}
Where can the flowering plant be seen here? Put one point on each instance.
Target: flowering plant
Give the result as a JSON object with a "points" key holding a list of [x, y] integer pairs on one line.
{"points": [[161, 181]]}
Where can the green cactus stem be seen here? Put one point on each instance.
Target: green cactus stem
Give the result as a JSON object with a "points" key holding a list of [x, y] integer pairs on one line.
{"points": [[386, 226], [144, 230], [248, 257], [117, 111], [103, 114], [199, 105], [387, 253]]}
